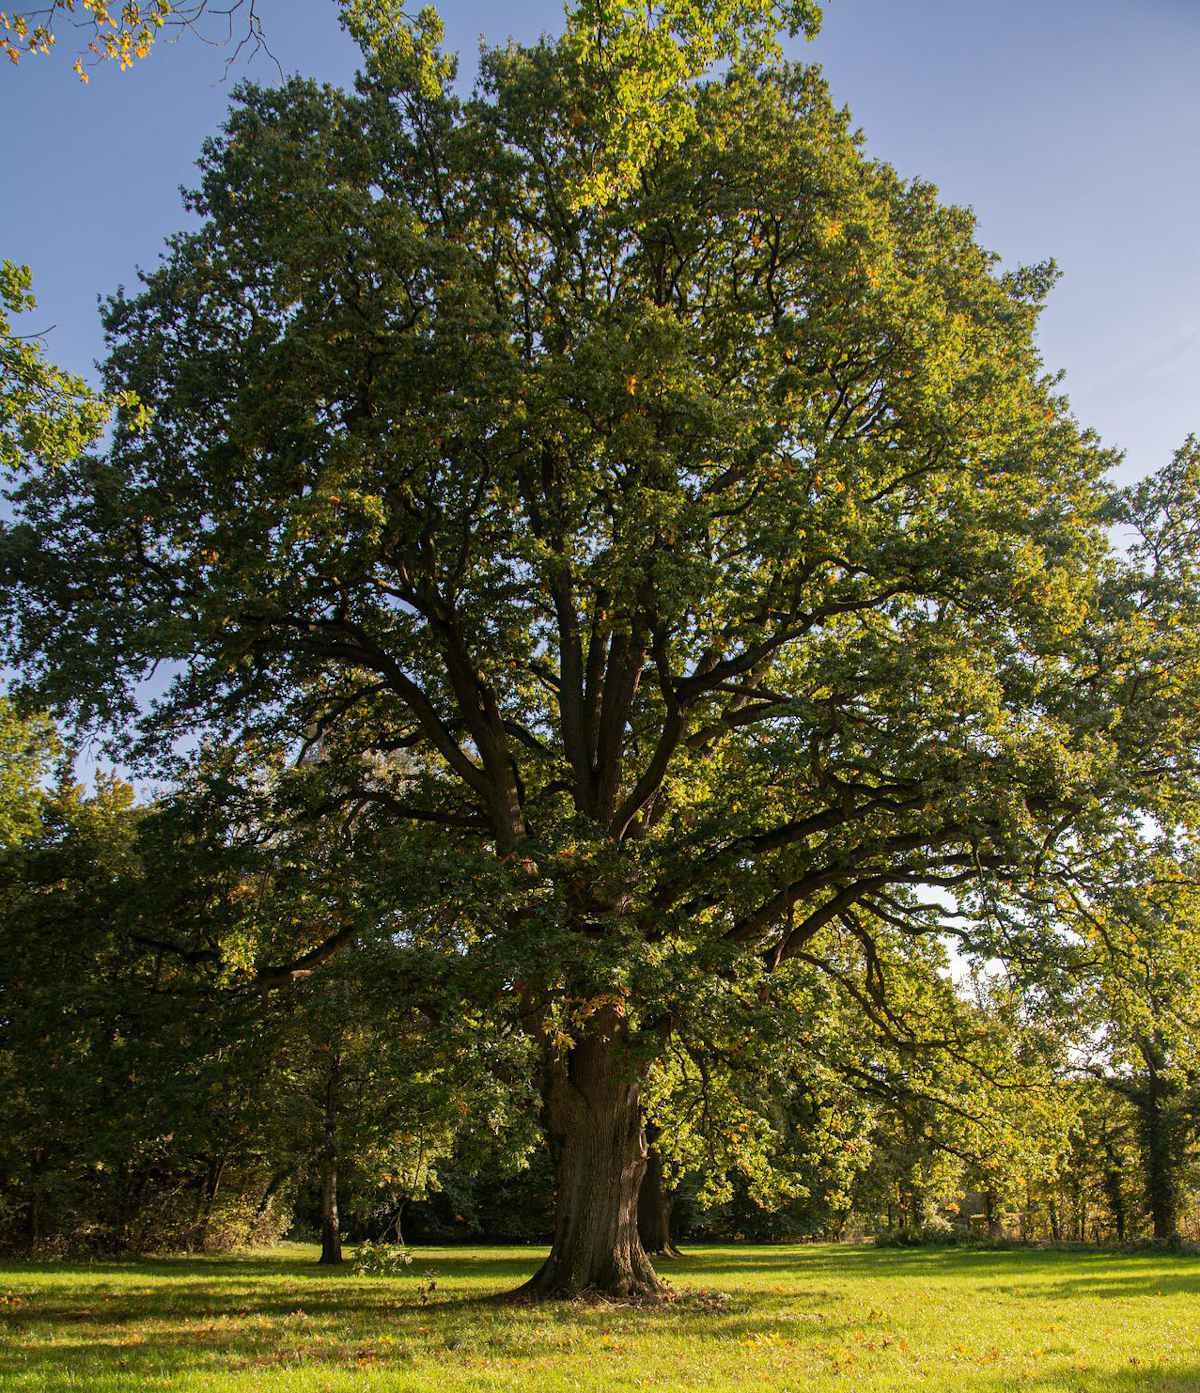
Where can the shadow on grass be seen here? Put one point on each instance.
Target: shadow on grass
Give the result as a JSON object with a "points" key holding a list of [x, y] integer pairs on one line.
{"points": [[521, 1264]]}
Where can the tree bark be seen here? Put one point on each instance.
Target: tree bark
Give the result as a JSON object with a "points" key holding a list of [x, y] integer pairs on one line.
{"points": [[593, 1115], [654, 1203], [331, 1236]]}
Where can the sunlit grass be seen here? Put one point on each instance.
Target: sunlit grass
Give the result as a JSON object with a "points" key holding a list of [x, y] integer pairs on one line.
{"points": [[797, 1318]]}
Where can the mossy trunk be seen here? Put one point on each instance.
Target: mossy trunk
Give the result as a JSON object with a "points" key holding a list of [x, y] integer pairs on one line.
{"points": [[1160, 1133], [592, 1099]]}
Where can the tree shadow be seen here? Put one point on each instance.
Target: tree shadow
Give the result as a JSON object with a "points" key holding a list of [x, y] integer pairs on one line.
{"points": [[863, 1263]]}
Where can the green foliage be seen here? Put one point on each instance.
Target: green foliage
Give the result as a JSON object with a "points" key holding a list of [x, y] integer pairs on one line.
{"points": [[634, 68], [719, 507], [114, 1098], [28, 748], [46, 415], [167, 1073], [639, 62], [381, 1260], [399, 46]]}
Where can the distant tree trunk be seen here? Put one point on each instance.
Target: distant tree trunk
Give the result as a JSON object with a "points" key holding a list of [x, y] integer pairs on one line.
{"points": [[592, 1097], [1158, 1102], [331, 1235], [992, 1214], [1114, 1189], [33, 1219], [397, 1224], [208, 1198], [655, 1203], [1055, 1222], [1160, 1130], [131, 1191]]}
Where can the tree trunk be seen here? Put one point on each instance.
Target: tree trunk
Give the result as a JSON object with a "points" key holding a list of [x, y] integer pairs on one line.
{"points": [[331, 1235], [34, 1219], [398, 1222], [1114, 1189], [992, 1214], [654, 1204], [208, 1198], [1055, 1222], [593, 1116], [1159, 1128]]}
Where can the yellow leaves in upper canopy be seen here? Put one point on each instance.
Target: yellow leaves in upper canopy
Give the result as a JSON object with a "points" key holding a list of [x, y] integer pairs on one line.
{"points": [[646, 59]]}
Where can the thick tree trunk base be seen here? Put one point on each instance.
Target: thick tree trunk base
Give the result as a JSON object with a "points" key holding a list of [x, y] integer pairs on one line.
{"points": [[593, 1116]]}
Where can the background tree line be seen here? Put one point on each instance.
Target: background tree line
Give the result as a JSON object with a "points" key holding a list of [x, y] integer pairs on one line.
{"points": [[158, 1102]]}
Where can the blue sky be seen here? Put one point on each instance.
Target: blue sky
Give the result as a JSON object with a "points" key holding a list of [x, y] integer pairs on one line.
{"points": [[1072, 127]]}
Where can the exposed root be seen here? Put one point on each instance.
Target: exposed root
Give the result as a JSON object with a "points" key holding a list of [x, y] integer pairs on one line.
{"points": [[536, 1293]]}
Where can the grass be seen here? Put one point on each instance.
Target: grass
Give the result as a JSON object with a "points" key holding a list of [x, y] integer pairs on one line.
{"points": [[815, 1319]]}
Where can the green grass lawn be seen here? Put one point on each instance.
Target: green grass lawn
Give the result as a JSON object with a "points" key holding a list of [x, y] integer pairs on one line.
{"points": [[796, 1318]]}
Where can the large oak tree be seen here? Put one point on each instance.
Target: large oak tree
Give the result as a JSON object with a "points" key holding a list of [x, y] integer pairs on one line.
{"points": [[672, 578]]}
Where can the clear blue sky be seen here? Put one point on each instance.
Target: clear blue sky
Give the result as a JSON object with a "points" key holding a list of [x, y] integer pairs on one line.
{"points": [[1072, 127]]}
